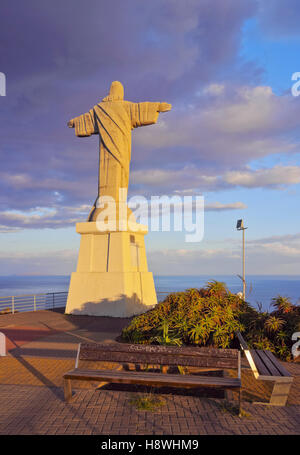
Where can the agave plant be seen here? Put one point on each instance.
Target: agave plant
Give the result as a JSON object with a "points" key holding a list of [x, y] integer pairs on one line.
{"points": [[264, 343], [284, 352], [166, 338], [216, 288], [199, 333], [282, 304], [273, 324]]}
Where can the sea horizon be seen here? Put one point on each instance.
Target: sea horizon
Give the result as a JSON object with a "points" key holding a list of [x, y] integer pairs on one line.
{"points": [[260, 288]]}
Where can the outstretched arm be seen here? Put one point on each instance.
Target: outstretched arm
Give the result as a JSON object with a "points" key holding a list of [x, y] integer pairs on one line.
{"points": [[146, 113], [84, 125], [164, 107]]}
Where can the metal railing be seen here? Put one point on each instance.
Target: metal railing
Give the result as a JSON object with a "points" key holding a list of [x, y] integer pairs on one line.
{"points": [[47, 301], [161, 295], [33, 302]]}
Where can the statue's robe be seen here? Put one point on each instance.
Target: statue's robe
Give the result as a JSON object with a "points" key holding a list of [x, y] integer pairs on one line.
{"points": [[113, 121]]}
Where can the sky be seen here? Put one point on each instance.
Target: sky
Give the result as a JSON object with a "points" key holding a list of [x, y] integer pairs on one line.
{"points": [[232, 135]]}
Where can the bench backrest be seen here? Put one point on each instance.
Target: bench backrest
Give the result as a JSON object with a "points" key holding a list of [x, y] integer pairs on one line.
{"points": [[160, 355], [248, 354], [243, 343]]}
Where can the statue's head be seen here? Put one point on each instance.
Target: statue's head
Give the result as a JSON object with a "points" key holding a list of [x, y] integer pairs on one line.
{"points": [[116, 92]]}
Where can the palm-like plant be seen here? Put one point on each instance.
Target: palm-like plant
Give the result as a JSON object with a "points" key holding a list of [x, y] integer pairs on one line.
{"points": [[199, 333], [282, 304], [216, 288], [167, 338], [284, 352], [273, 324], [264, 343]]}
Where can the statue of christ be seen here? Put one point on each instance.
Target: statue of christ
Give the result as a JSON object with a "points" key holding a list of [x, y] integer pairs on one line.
{"points": [[114, 119]]}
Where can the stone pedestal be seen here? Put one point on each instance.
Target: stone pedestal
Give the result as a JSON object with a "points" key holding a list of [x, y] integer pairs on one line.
{"points": [[112, 277]]}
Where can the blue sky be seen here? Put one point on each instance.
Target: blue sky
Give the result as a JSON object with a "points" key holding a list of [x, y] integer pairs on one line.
{"points": [[232, 134]]}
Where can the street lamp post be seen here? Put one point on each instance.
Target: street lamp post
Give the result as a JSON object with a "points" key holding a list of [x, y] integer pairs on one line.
{"points": [[240, 227]]}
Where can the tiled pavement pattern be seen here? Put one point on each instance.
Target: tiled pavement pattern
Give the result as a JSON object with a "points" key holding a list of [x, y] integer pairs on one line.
{"points": [[41, 410], [44, 371], [31, 395]]}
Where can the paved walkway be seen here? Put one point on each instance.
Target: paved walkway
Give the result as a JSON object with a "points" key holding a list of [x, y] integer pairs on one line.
{"points": [[42, 346]]}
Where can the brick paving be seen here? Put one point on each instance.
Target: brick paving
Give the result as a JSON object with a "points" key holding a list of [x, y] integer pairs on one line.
{"points": [[31, 394], [41, 410]]}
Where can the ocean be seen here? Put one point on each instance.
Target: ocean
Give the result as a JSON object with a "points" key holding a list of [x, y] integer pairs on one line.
{"points": [[260, 288]]}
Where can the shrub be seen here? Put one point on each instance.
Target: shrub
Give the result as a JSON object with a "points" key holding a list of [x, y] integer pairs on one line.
{"points": [[272, 331], [204, 317], [210, 316]]}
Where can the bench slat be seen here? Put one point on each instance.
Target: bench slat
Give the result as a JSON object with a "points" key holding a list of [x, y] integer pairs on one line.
{"points": [[273, 370], [261, 368], [149, 349], [281, 369], [159, 359], [162, 355], [154, 379]]}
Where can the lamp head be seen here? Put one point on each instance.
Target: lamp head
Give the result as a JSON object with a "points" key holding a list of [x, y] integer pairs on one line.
{"points": [[240, 225]]}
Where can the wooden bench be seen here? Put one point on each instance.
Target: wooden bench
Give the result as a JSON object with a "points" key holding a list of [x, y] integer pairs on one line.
{"points": [[165, 356], [266, 367]]}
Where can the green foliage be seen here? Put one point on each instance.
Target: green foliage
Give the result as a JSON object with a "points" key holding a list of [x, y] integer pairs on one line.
{"points": [[273, 331], [210, 316], [147, 402], [273, 324], [166, 338], [216, 288], [282, 304]]}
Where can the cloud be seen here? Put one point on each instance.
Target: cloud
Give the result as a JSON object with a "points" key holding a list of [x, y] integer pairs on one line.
{"points": [[277, 238], [279, 19], [277, 176], [60, 262], [189, 262], [61, 61], [166, 50], [62, 216], [208, 144], [164, 46], [286, 246], [213, 89], [189, 180], [243, 123], [219, 207], [158, 181], [278, 255], [271, 255], [42, 217]]}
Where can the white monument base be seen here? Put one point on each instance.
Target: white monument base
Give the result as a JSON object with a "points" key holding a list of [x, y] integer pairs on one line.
{"points": [[112, 277]]}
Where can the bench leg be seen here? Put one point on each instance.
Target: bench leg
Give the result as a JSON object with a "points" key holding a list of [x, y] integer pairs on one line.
{"points": [[280, 393], [68, 390]]}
